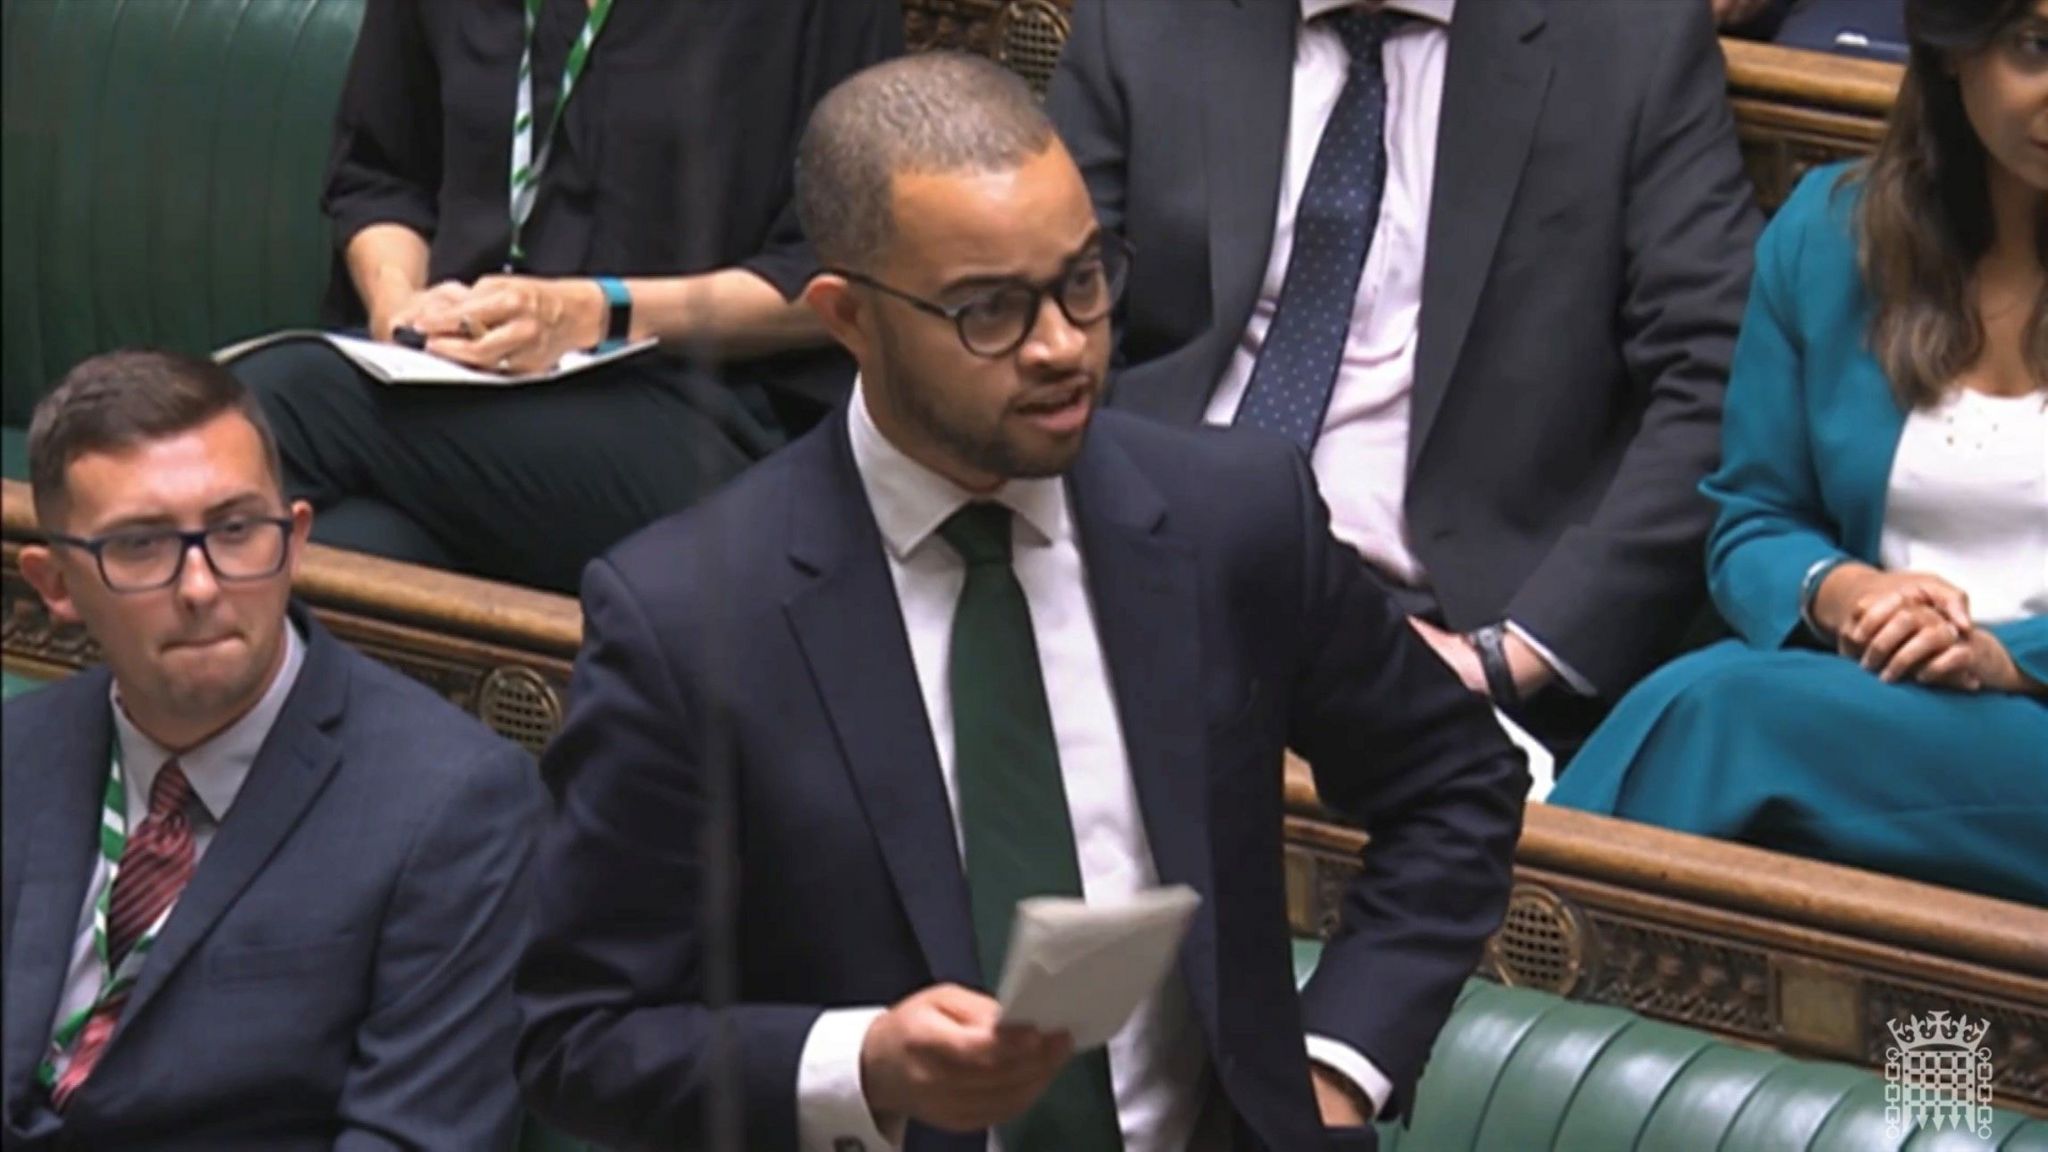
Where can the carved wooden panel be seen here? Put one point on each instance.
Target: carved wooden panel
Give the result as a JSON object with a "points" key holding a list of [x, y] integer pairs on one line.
{"points": [[1702, 966], [1024, 35], [34, 642], [1688, 977], [2018, 1038], [957, 25]]}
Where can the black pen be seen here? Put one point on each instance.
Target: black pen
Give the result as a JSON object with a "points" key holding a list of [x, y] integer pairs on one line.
{"points": [[410, 337]]}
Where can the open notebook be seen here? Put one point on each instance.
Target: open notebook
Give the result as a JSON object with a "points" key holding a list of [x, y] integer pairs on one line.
{"points": [[396, 364]]}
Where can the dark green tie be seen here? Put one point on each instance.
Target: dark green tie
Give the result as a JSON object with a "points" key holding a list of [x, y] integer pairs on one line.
{"points": [[1013, 806]]}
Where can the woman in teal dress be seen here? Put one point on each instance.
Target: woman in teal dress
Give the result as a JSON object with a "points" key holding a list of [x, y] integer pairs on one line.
{"points": [[1882, 546]]}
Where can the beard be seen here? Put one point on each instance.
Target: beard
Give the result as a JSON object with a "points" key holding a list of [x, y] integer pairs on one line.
{"points": [[1000, 449]]}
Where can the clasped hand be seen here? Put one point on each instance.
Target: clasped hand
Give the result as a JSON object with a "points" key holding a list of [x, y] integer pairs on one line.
{"points": [[507, 324], [1912, 624]]}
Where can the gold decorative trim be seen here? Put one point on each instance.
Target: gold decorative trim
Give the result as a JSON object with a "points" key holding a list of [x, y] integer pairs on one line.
{"points": [[1542, 943]]}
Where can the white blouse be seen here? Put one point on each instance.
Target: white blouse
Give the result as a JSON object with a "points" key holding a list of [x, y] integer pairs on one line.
{"points": [[1968, 501]]}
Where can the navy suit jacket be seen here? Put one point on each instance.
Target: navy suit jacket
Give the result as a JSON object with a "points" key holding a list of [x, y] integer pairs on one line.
{"points": [[753, 826], [336, 976]]}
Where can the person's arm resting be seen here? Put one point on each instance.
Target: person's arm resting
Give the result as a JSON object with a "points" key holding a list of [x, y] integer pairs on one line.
{"points": [[430, 1068], [1616, 590], [619, 1046], [384, 172], [1773, 530], [1400, 748]]}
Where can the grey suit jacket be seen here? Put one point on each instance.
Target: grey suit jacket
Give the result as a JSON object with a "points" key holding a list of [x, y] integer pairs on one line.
{"points": [[1588, 260], [338, 973]]}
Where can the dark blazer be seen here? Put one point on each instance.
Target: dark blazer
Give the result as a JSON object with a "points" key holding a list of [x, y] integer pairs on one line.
{"points": [[337, 975], [747, 659], [1588, 256]]}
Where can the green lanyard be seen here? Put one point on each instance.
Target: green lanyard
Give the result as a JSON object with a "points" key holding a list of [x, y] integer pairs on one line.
{"points": [[529, 159], [113, 983]]}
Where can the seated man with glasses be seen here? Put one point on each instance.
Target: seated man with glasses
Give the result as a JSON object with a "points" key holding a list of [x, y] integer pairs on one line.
{"points": [[260, 891]]}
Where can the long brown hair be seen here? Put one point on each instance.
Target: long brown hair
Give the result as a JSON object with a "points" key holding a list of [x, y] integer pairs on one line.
{"points": [[1925, 220]]}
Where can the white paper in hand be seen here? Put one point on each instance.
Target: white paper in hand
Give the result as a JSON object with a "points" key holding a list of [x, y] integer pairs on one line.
{"points": [[1083, 968]]}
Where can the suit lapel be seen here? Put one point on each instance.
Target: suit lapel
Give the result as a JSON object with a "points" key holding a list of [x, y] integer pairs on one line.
{"points": [[1494, 81], [1249, 58], [296, 760], [850, 626], [57, 867], [1142, 580]]}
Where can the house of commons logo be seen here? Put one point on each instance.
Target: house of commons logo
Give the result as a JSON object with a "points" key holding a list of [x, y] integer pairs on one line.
{"points": [[1938, 1075]]}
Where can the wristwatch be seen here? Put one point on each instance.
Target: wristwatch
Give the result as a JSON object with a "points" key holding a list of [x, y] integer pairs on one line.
{"points": [[620, 325], [1490, 643]]}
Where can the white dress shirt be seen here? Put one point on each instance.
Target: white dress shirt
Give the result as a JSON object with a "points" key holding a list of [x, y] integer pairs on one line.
{"points": [[1361, 457], [1158, 1062], [1968, 501], [216, 770]]}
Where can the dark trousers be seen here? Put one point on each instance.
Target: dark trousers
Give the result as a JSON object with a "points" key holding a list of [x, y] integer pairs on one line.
{"points": [[524, 484]]}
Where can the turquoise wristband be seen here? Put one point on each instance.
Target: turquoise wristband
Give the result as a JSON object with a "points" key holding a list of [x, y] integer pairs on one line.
{"points": [[620, 325]]}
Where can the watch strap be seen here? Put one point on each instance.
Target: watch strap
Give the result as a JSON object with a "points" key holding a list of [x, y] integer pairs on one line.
{"points": [[1490, 643], [620, 301]]}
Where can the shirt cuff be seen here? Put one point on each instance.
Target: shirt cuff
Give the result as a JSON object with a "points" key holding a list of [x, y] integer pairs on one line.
{"points": [[832, 1113], [1346, 1061], [1570, 675]]}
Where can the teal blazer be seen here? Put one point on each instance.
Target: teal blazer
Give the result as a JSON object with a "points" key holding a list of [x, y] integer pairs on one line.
{"points": [[1810, 427]]}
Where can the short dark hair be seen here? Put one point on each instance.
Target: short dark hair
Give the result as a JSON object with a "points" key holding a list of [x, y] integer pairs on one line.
{"points": [[119, 399], [930, 112]]}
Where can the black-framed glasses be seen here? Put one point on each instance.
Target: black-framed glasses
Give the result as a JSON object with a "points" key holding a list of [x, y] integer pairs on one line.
{"points": [[996, 322], [146, 559]]}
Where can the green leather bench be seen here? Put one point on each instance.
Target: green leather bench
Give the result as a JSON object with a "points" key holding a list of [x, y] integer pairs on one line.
{"points": [[161, 179], [1523, 1071]]}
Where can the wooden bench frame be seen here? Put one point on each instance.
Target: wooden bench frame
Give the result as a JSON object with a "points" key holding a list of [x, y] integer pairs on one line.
{"points": [[1756, 946], [1748, 944]]}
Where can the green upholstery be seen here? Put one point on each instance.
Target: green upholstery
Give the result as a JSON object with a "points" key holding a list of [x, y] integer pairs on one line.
{"points": [[1522, 1071], [14, 454], [12, 685], [162, 169]]}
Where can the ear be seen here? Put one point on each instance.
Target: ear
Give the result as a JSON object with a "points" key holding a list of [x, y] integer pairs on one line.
{"points": [[302, 532], [842, 312], [44, 573]]}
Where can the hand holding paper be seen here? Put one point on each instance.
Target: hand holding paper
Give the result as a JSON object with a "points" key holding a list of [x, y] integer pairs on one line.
{"points": [[1083, 968]]}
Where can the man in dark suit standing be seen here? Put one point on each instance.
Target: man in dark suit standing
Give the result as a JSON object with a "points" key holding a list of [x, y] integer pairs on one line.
{"points": [[261, 893], [1483, 260], [970, 642]]}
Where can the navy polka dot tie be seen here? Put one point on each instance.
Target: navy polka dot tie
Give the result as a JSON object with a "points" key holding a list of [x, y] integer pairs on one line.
{"points": [[1333, 227]]}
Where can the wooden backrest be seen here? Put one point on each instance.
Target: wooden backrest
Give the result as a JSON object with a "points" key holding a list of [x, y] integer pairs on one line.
{"points": [[1795, 110]]}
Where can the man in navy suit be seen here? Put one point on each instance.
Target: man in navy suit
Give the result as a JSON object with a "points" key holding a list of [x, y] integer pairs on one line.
{"points": [[968, 642], [260, 892]]}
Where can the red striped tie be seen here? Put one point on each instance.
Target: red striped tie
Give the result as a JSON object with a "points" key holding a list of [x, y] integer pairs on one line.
{"points": [[156, 863]]}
